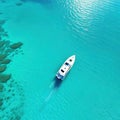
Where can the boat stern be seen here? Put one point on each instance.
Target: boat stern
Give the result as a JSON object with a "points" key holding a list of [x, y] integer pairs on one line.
{"points": [[59, 76]]}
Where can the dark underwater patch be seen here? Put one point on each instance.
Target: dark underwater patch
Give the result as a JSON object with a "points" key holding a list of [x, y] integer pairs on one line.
{"points": [[19, 3], [39, 1], [11, 92]]}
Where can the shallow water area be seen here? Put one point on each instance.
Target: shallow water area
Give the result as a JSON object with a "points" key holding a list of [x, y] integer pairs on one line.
{"points": [[51, 31]]}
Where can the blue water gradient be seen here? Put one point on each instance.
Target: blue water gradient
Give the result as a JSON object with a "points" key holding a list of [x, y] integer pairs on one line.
{"points": [[53, 30]]}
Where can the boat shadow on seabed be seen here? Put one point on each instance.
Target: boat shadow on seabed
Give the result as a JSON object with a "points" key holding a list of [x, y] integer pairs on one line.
{"points": [[57, 83]]}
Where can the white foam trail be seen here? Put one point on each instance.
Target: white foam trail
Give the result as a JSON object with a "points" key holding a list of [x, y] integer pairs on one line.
{"points": [[51, 84], [50, 95], [47, 99]]}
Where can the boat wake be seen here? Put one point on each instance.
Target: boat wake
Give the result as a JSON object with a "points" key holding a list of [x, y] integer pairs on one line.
{"points": [[52, 89]]}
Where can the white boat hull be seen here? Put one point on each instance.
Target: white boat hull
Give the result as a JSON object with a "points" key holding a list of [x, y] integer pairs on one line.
{"points": [[65, 68]]}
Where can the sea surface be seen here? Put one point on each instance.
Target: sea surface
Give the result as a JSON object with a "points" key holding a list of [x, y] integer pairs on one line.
{"points": [[51, 31]]}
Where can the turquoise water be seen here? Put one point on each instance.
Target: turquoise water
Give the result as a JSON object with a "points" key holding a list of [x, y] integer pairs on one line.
{"points": [[51, 31]]}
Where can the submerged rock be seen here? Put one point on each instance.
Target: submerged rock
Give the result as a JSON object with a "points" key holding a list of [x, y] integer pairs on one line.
{"points": [[3, 68], [2, 56], [1, 102], [16, 45], [3, 1], [19, 4], [6, 61], [1, 87], [9, 51], [5, 34], [1, 30], [2, 22], [5, 77], [2, 43]]}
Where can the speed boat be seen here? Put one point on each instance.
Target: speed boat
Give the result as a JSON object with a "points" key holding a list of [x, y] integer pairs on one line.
{"points": [[65, 68]]}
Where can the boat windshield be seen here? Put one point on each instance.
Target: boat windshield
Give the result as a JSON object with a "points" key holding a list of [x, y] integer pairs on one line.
{"points": [[66, 63], [62, 70]]}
